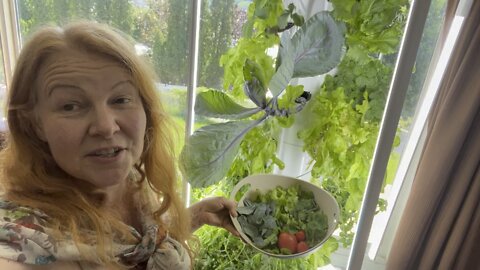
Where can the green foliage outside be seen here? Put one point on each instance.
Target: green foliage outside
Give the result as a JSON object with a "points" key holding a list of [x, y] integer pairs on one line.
{"points": [[424, 55], [162, 26], [216, 39]]}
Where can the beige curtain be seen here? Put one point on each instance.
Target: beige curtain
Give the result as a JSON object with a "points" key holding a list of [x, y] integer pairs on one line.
{"points": [[440, 226]]}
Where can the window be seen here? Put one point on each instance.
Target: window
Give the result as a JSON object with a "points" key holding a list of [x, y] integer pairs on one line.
{"points": [[410, 131]]}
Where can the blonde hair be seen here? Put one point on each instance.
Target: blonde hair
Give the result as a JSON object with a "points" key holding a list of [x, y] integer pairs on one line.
{"points": [[30, 175]]}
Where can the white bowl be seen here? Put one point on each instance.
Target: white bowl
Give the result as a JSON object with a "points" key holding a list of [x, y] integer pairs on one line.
{"points": [[265, 182]]}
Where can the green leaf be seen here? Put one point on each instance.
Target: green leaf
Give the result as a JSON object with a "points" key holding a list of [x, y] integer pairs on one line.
{"points": [[298, 20], [283, 20], [386, 42], [284, 73], [247, 29], [318, 45], [291, 7], [210, 150], [261, 13], [359, 53], [255, 87], [217, 104], [343, 9]]}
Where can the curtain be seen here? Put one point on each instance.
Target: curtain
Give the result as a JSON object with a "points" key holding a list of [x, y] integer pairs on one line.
{"points": [[440, 226]]}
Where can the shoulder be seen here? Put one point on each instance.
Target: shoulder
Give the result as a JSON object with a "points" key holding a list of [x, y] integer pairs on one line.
{"points": [[23, 237], [16, 217]]}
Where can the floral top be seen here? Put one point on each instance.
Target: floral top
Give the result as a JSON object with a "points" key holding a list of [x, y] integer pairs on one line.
{"points": [[25, 238]]}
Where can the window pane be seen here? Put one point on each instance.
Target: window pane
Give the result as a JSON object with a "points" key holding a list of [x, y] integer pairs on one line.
{"points": [[396, 190], [220, 28]]}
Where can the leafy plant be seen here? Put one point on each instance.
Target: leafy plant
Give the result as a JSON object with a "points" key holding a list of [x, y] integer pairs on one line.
{"points": [[343, 101], [373, 26], [315, 48], [345, 114]]}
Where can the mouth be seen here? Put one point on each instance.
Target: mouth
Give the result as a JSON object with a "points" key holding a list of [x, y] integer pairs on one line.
{"points": [[107, 152]]}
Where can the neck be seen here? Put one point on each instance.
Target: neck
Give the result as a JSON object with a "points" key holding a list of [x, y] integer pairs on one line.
{"points": [[115, 196], [119, 200]]}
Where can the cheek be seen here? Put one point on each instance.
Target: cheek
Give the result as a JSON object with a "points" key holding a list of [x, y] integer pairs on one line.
{"points": [[136, 125], [61, 139]]}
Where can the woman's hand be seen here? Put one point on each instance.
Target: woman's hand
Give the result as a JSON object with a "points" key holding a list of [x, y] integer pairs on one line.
{"points": [[214, 211]]}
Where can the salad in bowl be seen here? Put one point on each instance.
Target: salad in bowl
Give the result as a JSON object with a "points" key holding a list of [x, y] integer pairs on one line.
{"points": [[282, 216]]}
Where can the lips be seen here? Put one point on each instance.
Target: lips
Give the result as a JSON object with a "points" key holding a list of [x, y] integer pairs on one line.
{"points": [[106, 152]]}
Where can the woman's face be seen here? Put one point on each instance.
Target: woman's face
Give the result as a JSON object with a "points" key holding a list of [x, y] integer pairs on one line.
{"points": [[91, 115]]}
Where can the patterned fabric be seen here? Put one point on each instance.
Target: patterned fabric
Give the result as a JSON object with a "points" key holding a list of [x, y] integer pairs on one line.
{"points": [[24, 237]]}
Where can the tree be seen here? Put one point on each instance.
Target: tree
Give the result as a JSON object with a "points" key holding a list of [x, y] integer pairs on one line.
{"points": [[150, 22], [117, 13], [33, 14], [216, 35], [170, 57]]}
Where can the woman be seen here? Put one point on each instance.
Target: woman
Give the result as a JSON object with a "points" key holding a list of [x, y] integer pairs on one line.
{"points": [[88, 173]]}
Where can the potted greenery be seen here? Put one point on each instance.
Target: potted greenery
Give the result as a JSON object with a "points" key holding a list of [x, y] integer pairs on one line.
{"points": [[347, 105], [314, 48]]}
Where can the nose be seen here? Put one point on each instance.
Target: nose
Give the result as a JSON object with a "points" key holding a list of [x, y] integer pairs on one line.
{"points": [[103, 122]]}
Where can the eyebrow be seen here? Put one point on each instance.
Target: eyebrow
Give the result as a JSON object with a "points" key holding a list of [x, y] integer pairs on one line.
{"points": [[79, 88], [60, 86], [122, 82]]}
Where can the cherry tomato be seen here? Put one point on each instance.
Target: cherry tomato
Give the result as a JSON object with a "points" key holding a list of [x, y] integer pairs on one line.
{"points": [[287, 241], [300, 235], [302, 246]]}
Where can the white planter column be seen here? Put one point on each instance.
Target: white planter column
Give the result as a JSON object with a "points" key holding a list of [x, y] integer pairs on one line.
{"points": [[290, 148]]}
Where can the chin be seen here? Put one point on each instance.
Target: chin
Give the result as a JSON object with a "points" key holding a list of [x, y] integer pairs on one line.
{"points": [[103, 182]]}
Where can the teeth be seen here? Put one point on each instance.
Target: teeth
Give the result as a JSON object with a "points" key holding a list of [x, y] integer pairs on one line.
{"points": [[107, 152]]}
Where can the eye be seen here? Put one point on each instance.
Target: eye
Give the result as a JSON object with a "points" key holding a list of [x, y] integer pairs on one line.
{"points": [[122, 100], [70, 107]]}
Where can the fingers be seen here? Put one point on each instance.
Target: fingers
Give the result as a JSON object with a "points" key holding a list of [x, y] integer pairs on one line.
{"points": [[218, 204], [221, 221], [215, 211], [232, 230], [230, 205]]}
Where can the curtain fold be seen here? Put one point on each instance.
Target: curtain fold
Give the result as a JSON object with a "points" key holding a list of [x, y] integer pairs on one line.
{"points": [[440, 226]]}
